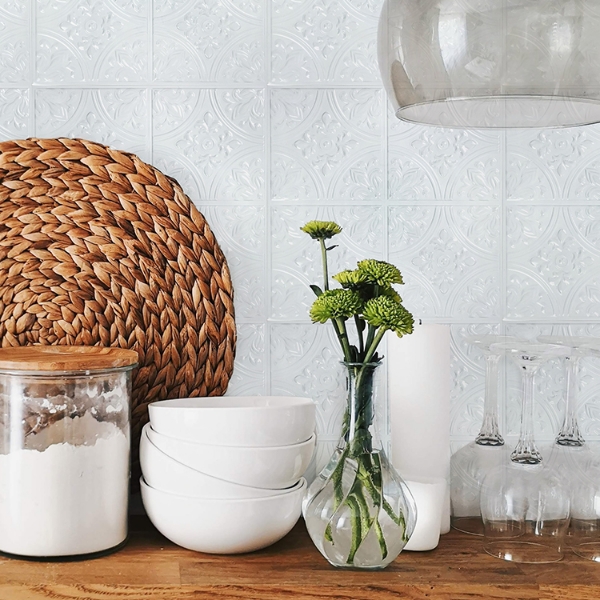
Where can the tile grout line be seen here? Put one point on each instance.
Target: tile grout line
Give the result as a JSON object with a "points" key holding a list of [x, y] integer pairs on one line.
{"points": [[32, 67], [193, 85], [268, 260], [503, 269], [149, 90]]}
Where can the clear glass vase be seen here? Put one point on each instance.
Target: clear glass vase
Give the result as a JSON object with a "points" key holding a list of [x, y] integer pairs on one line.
{"points": [[358, 511]]}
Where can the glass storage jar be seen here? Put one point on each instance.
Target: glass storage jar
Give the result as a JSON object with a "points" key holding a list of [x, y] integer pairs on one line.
{"points": [[64, 450]]}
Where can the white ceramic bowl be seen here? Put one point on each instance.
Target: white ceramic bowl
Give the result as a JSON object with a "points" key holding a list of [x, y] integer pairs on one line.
{"points": [[276, 467], [236, 420], [222, 526], [169, 475]]}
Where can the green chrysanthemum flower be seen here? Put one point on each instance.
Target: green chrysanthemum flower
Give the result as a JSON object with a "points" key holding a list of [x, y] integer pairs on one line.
{"points": [[385, 312], [335, 304], [390, 292], [380, 272], [350, 279], [321, 230]]}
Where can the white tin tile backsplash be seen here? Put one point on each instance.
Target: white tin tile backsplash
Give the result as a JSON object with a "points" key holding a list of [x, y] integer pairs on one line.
{"points": [[271, 113]]}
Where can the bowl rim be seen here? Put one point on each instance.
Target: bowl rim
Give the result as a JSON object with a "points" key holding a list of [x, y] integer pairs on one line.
{"points": [[223, 401], [144, 434], [300, 486], [310, 441]]}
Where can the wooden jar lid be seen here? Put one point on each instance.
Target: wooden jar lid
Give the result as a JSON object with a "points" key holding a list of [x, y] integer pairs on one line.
{"points": [[65, 358]]}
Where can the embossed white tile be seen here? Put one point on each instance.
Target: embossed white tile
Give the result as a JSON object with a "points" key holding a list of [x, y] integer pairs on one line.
{"points": [[449, 257], [428, 163], [248, 378], [216, 137], [14, 38], [214, 40], [14, 113], [296, 258], [87, 40], [116, 117], [305, 361], [326, 144], [325, 40], [553, 258], [240, 231], [553, 164]]}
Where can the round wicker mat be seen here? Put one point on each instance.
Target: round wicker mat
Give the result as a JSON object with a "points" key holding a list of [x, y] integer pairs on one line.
{"points": [[99, 248]]}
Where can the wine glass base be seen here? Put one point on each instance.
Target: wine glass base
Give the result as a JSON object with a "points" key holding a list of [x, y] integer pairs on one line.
{"points": [[588, 550], [469, 525], [570, 443], [524, 552]]}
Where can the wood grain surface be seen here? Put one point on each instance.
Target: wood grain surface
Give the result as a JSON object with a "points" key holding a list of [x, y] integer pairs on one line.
{"points": [[150, 567]]}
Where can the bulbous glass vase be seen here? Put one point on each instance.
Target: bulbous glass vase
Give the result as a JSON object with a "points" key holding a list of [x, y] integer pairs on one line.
{"points": [[358, 511]]}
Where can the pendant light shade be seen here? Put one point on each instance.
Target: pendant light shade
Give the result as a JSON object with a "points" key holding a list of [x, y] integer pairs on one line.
{"points": [[492, 63]]}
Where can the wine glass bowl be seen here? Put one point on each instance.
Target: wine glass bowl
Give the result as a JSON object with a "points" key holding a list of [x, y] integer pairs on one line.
{"points": [[525, 511]]}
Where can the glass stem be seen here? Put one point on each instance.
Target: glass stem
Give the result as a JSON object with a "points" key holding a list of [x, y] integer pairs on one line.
{"points": [[526, 451], [489, 435], [569, 434]]}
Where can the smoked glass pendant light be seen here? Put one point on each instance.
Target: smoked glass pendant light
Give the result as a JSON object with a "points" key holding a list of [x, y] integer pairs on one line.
{"points": [[492, 63]]}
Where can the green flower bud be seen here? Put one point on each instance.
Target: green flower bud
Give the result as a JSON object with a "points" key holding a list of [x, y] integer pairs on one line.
{"points": [[389, 314], [321, 230], [335, 304], [380, 272], [350, 279]]}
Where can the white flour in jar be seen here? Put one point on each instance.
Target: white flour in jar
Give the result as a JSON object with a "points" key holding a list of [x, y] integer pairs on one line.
{"points": [[66, 499]]}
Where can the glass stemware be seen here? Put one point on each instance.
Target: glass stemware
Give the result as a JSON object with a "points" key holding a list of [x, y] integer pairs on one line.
{"points": [[584, 532], [569, 434], [524, 503], [470, 463]]}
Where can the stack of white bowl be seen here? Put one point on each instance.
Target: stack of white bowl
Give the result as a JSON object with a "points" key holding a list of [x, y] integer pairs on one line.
{"points": [[224, 475]]}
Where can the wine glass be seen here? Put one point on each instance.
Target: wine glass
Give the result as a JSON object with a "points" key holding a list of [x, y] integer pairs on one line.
{"points": [[469, 465], [524, 503], [584, 532], [569, 454], [569, 434]]}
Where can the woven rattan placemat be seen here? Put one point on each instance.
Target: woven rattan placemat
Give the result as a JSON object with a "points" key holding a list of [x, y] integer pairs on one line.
{"points": [[99, 248]]}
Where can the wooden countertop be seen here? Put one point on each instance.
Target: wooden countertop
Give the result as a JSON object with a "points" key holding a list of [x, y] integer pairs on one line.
{"points": [[150, 567]]}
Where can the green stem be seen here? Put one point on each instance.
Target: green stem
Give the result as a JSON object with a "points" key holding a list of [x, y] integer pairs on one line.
{"points": [[325, 267], [373, 346], [356, 501], [398, 519], [380, 537], [356, 527], [338, 491], [361, 343], [370, 335], [343, 337]]}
